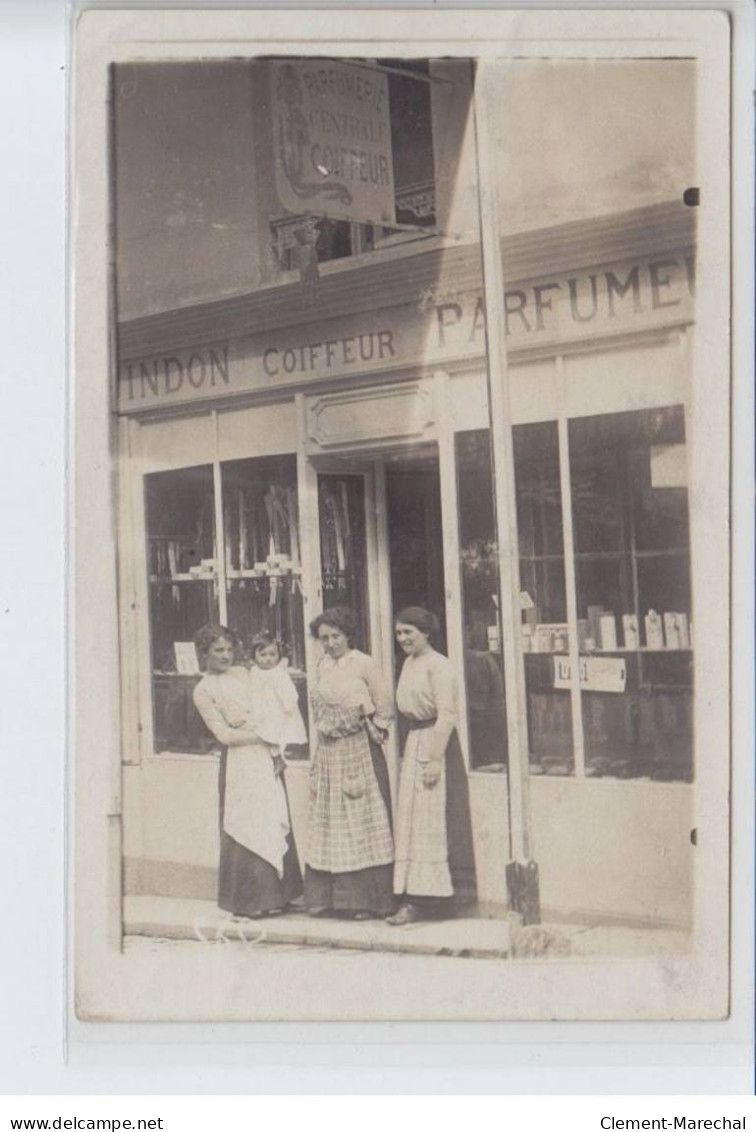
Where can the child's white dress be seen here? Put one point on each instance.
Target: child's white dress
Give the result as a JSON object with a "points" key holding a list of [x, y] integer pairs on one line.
{"points": [[277, 718]]}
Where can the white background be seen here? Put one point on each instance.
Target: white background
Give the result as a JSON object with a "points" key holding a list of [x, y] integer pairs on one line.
{"points": [[38, 1055]]}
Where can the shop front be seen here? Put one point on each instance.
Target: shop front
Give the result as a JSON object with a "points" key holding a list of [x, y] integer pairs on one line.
{"points": [[281, 453]]}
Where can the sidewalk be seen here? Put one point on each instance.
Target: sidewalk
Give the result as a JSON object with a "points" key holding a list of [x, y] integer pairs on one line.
{"points": [[201, 921]]}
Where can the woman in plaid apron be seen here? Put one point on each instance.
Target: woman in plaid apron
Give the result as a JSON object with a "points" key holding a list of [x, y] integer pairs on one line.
{"points": [[434, 852], [350, 849]]}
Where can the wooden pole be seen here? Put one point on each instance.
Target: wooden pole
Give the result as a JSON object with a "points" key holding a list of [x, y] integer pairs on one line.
{"points": [[522, 871]]}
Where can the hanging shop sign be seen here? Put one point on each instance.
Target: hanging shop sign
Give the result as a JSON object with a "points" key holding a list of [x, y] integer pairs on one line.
{"points": [[332, 138], [597, 673], [438, 329]]}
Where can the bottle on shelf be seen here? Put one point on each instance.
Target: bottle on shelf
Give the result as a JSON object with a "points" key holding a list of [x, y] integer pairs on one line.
{"points": [[654, 630]]}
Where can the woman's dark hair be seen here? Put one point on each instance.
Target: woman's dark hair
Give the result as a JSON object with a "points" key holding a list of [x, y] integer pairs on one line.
{"points": [[206, 637], [420, 618], [262, 639], [338, 617]]}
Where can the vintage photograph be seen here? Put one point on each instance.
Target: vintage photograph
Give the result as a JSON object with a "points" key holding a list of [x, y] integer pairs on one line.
{"points": [[412, 634]]}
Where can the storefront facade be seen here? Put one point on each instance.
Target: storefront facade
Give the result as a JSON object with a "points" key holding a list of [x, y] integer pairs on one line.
{"points": [[339, 451]]}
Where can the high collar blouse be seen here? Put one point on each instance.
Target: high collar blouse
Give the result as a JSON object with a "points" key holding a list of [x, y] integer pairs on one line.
{"points": [[428, 689], [355, 680]]}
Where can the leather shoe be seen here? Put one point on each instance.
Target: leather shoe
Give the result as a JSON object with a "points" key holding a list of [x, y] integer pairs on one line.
{"points": [[407, 914]]}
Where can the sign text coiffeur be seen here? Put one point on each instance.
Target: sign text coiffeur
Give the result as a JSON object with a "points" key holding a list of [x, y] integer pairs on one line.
{"points": [[550, 313], [332, 138]]}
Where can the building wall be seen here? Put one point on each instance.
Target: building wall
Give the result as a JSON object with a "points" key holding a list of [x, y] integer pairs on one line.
{"points": [[193, 156], [187, 225], [192, 147], [582, 830]]}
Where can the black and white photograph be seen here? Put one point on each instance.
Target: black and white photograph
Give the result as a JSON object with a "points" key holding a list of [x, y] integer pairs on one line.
{"points": [[401, 408]]}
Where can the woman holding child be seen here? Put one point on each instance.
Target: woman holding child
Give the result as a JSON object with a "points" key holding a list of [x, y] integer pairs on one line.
{"points": [[252, 714]]}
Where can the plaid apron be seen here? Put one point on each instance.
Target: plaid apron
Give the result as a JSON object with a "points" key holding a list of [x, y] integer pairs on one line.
{"points": [[348, 828]]}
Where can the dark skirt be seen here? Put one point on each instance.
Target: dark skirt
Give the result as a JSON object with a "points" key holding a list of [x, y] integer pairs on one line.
{"points": [[364, 890], [459, 825], [247, 884]]}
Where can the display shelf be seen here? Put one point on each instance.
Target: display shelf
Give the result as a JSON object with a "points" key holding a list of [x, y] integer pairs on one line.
{"points": [[295, 673], [268, 572], [608, 652], [170, 580], [545, 652], [643, 649]]}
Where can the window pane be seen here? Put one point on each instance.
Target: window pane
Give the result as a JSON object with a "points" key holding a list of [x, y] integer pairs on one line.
{"points": [[633, 592], [343, 548], [183, 588], [539, 502], [544, 595], [412, 148], [596, 493], [484, 682], [263, 561]]}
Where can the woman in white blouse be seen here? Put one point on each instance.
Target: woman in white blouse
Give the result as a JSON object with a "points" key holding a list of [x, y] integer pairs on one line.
{"points": [[258, 872], [434, 854], [350, 849]]}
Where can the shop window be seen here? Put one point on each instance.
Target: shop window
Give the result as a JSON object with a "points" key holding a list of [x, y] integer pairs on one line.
{"points": [[263, 559], [183, 596], [484, 680], [543, 596], [260, 560], [632, 564], [412, 143], [333, 239]]}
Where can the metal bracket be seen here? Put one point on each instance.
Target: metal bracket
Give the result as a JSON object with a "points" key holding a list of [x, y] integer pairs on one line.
{"points": [[523, 891]]}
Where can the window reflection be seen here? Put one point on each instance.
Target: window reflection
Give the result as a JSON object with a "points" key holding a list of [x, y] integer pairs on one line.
{"points": [[630, 514], [183, 596], [484, 682], [543, 595]]}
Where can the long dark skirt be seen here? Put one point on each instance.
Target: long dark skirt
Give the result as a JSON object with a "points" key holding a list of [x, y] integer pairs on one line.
{"points": [[364, 890], [247, 884], [459, 825]]}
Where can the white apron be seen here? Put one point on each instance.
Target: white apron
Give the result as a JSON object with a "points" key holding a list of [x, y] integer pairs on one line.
{"points": [[254, 808]]}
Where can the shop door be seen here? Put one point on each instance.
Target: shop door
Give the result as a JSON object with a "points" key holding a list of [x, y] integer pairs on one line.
{"points": [[381, 548], [381, 545]]}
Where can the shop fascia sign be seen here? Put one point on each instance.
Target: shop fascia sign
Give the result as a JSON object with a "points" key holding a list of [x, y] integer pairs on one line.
{"points": [[332, 140], [445, 325]]}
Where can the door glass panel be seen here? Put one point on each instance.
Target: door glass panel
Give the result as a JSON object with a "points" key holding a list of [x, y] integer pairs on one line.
{"points": [[343, 548], [479, 568], [413, 502]]}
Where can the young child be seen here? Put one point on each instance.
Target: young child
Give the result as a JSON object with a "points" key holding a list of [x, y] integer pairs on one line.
{"points": [[277, 716]]}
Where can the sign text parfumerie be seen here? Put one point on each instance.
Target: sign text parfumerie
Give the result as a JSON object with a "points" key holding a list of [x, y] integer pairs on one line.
{"points": [[612, 300]]}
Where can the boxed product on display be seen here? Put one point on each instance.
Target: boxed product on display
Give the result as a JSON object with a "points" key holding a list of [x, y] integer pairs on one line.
{"points": [[608, 632], [630, 631], [654, 630], [671, 631]]}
